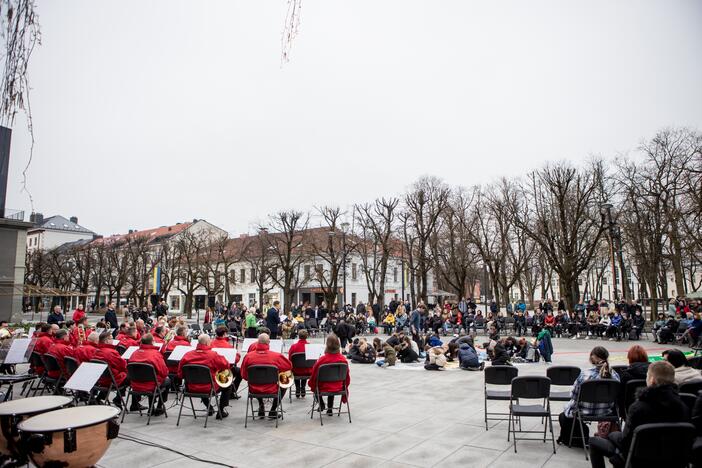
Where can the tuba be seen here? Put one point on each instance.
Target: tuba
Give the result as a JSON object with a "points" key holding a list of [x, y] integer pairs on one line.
{"points": [[224, 378], [285, 379], [81, 335]]}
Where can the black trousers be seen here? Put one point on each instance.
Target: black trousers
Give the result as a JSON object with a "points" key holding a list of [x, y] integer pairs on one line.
{"points": [[261, 406], [601, 448], [223, 395], [300, 385], [330, 402]]}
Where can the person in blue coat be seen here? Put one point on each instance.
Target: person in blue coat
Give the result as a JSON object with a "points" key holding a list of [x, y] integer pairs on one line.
{"points": [[273, 319], [468, 358]]}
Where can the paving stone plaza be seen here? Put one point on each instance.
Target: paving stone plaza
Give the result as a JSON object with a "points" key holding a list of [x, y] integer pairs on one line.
{"points": [[404, 416]]}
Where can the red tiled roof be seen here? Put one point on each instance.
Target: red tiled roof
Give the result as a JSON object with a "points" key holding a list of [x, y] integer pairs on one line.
{"points": [[153, 233]]}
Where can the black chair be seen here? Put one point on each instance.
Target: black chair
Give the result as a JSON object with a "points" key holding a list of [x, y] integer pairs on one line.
{"points": [[691, 387], [530, 388], [498, 375], [661, 444], [37, 363], [263, 375], [299, 362], [51, 364], [233, 327], [597, 392], [198, 374], [619, 369], [99, 389], [143, 373], [175, 387], [120, 349], [689, 399], [562, 376], [71, 364], [628, 396], [334, 372], [207, 328]]}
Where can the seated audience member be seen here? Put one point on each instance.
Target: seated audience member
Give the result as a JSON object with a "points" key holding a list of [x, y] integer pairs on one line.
{"points": [[361, 352], [637, 323], [599, 358], [526, 351], [468, 357], [435, 358], [659, 402], [683, 372], [498, 354], [406, 352], [389, 356], [692, 333], [638, 365]]}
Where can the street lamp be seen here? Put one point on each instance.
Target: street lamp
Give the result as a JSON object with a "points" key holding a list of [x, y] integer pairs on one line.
{"points": [[606, 212], [344, 229]]}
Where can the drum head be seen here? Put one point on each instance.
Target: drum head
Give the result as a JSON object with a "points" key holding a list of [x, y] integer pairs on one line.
{"points": [[33, 405], [68, 418]]}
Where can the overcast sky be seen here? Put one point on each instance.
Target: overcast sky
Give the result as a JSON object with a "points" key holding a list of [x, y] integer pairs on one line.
{"points": [[147, 113]]}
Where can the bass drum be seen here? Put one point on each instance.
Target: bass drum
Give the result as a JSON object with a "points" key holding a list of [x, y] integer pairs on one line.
{"points": [[69, 437], [14, 411]]}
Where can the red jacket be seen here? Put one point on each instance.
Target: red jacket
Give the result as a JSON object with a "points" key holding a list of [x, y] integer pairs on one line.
{"points": [[299, 347], [205, 356], [329, 386], [550, 320], [158, 339], [149, 354], [78, 314], [42, 345], [107, 352], [59, 350], [264, 356], [86, 352], [126, 340]]}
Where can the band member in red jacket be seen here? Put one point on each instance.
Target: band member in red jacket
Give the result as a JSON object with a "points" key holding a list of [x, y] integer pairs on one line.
{"points": [[204, 355], [87, 350], [128, 339], [254, 346], [301, 373], [222, 341], [42, 345], [78, 314], [158, 333], [60, 349], [264, 356], [332, 354], [180, 339], [149, 354], [118, 366]]}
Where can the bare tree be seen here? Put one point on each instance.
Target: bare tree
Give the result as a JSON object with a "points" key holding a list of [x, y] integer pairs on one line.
{"points": [[142, 260], [118, 266], [189, 252], [327, 244], [287, 238], [257, 254], [375, 223]]}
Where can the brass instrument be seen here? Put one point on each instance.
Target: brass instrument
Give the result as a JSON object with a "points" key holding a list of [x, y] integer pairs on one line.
{"points": [[169, 336], [224, 378], [285, 379]]}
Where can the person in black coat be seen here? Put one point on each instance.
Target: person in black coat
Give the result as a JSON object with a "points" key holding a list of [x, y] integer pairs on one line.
{"points": [[499, 355], [657, 403], [273, 319], [111, 318], [344, 332], [638, 365], [56, 317]]}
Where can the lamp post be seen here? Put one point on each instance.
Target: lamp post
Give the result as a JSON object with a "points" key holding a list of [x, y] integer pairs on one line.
{"points": [[606, 212], [615, 246], [402, 270], [344, 229]]}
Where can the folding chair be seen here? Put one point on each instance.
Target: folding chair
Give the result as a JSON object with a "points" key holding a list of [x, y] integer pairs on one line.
{"points": [[628, 396], [619, 369], [595, 392], [120, 349], [497, 375], [51, 364], [197, 374], [562, 376], [143, 373], [334, 372], [263, 375], [207, 328], [530, 388], [691, 387], [37, 363], [99, 389], [173, 376], [299, 362], [661, 444]]}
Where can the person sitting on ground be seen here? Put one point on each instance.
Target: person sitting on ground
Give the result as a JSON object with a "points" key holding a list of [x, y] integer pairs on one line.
{"points": [[683, 372], [545, 345], [378, 346], [526, 351], [406, 352], [395, 339], [389, 356], [434, 341], [435, 358], [468, 357], [599, 358], [659, 402], [638, 365], [510, 344], [498, 354], [361, 352]]}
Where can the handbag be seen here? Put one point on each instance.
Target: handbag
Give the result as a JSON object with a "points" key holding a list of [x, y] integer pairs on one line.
{"points": [[605, 428]]}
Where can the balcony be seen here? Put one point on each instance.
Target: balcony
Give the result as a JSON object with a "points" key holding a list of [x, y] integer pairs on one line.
{"points": [[16, 215]]}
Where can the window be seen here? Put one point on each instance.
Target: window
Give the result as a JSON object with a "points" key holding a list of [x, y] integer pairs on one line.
{"points": [[308, 272], [175, 302], [242, 275], [604, 280], [354, 273], [253, 276], [319, 270], [394, 274], [232, 276], [353, 299]]}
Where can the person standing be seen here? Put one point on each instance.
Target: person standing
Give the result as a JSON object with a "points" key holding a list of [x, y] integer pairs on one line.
{"points": [[415, 322], [111, 318], [56, 317], [273, 319], [78, 314]]}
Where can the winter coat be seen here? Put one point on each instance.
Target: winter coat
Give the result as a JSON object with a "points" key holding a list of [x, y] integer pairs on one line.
{"points": [[500, 356], [686, 374], [467, 357], [636, 370], [390, 355]]}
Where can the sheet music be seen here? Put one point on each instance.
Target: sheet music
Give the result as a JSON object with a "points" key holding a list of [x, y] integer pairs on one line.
{"points": [[313, 351], [276, 345], [30, 348], [193, 342], [159, 345], [18, 350], [85, 377], [128, 353], [179, 352], [228, 353], [115, 342]]}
